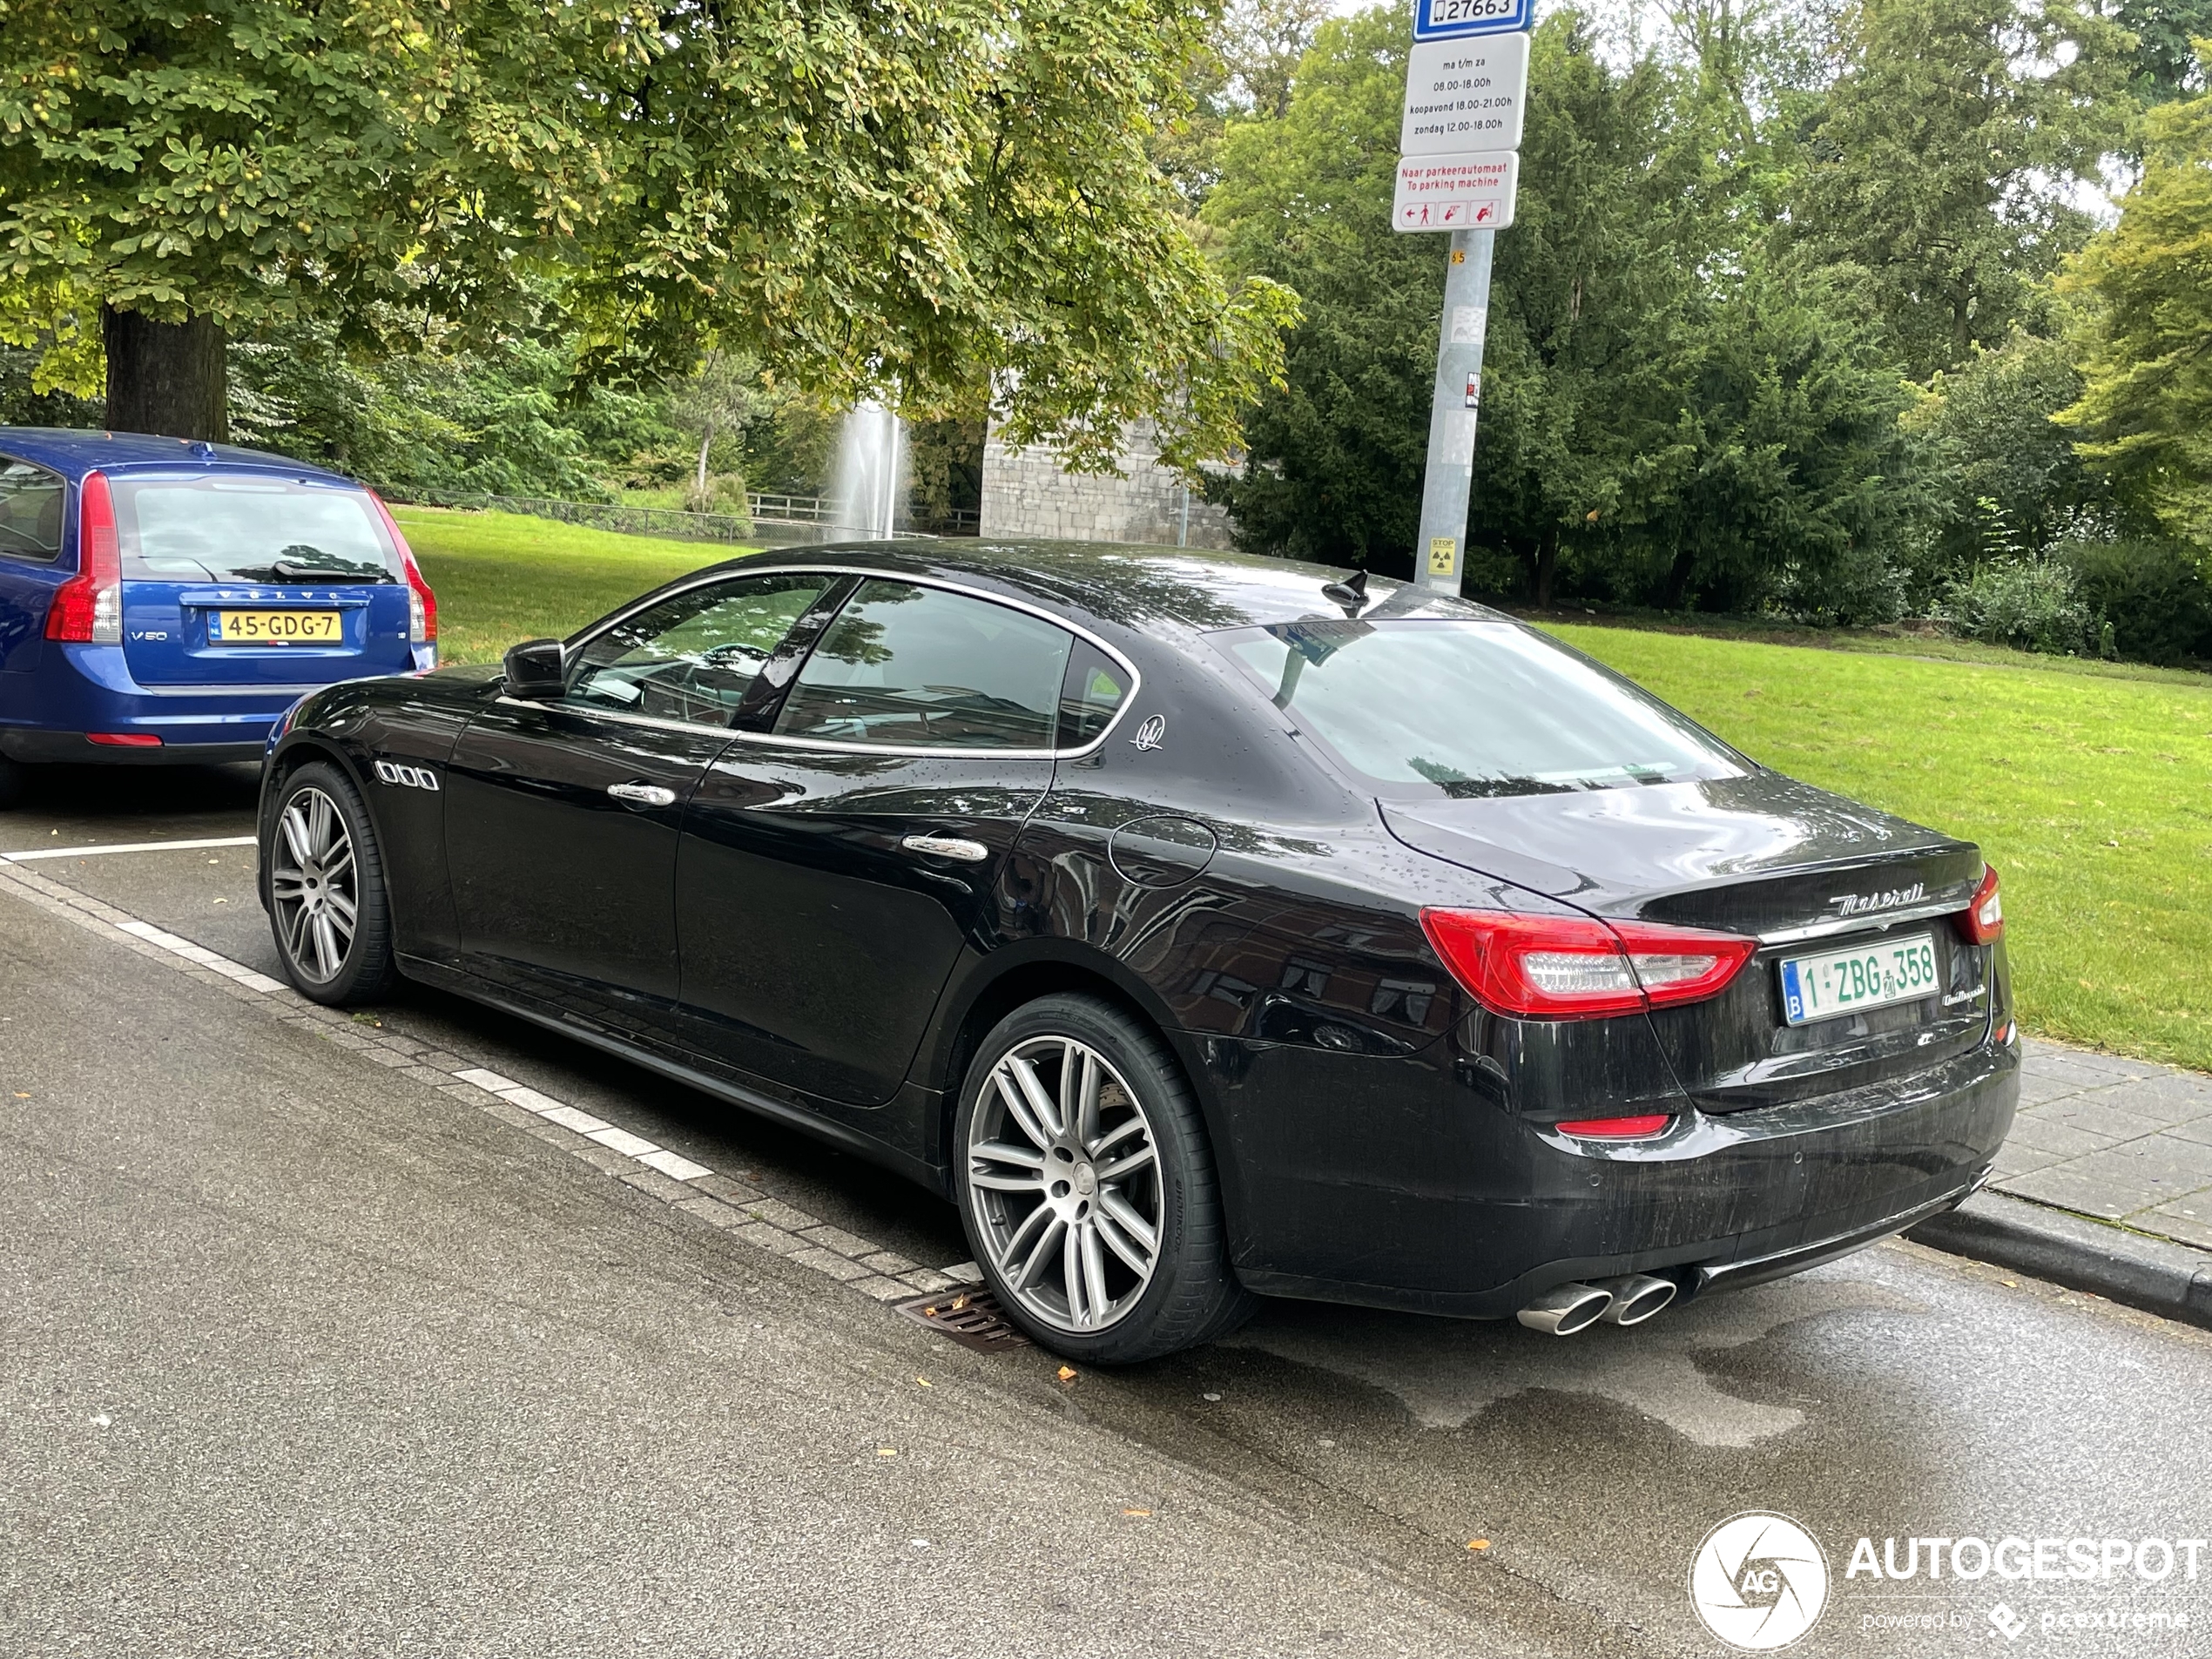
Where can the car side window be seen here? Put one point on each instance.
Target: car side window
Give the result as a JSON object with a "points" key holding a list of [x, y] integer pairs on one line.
{"points": [[907, 666], [1093, 690], [31, 512], [694, 656]]}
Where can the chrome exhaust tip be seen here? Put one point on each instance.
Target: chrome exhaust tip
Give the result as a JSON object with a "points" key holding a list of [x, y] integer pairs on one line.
{"points": [[1636, 1298], [1565, 1309]]}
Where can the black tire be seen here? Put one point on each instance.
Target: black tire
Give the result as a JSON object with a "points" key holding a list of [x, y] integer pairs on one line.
{"points": [[1192, 1295], [11, 782], [362, 970]]}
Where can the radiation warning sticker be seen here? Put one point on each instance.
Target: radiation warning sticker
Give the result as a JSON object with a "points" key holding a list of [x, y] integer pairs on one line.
{"points": [[1440, 549]]}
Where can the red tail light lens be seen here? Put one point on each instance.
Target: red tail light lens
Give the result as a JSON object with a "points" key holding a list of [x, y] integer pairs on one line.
{"points": [[1983, 921], [1578, 967], [1616, 1129], [88, 608], [422, 603], [124, 739]]}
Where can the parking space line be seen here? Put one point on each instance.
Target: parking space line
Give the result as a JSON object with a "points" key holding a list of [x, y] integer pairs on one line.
{"points": [[124, 847], [716, 1200]]}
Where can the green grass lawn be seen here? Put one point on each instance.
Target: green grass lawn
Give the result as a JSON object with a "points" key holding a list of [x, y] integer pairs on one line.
{"points": [[2092, 794], [502, 577]]}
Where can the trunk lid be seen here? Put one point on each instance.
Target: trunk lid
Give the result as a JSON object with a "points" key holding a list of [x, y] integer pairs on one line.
{"points": [[1802, 870]]}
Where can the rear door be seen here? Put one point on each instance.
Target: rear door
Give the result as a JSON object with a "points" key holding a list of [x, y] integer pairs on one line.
{"points": [[236, 577], [833, 868], [561, 817]]}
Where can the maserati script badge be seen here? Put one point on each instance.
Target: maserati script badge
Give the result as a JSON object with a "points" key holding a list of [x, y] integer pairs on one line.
{"points": [[1152, 733]]}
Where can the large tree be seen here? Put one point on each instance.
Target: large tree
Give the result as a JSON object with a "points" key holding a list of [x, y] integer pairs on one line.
{"points": [[1943, 160], [942, 196], [2143, 328]]}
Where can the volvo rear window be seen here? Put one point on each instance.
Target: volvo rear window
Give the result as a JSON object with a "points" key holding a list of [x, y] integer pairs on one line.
{"points": [[246, 529], [1416, 707]]}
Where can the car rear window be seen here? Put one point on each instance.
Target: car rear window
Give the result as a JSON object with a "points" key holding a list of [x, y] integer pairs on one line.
{"points": [[31, 512], [276, 530], [1418, 707]]}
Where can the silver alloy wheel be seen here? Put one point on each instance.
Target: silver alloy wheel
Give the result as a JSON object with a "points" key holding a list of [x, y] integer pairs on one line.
{"points": [[1064, 1176], [315, 886]]}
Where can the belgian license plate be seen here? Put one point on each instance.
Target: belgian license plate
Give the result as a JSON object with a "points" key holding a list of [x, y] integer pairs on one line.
{"points": [[273, 628], [1872, 975]]}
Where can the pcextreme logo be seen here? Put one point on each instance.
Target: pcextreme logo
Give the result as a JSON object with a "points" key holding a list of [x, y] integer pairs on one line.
{"points": [[1758, 1581]]}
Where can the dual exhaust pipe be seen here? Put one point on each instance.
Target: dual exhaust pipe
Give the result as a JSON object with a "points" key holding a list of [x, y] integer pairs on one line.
{"points": [[1565, 1309]]}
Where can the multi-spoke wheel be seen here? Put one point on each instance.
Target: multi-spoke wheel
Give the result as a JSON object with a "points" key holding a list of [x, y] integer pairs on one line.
{"points": [[325, 888], [1088, 1185]]}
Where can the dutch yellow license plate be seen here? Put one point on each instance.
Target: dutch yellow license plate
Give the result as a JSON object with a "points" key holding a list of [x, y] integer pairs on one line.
{"points": [[273, 628]]}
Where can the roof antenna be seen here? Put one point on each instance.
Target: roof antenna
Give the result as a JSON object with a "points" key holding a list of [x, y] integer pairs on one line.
{"points": [[1351, 593]]}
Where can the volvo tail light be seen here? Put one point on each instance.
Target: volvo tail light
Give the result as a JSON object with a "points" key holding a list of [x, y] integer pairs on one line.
{"points": [[1578, 967], [88, 608], [422, 603], [1983, 921]]}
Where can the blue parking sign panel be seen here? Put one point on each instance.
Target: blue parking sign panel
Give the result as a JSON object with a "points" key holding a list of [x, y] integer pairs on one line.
{"points": [[1442, 19]]}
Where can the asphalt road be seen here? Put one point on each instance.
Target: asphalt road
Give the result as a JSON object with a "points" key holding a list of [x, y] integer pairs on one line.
{"points": [[298, 1355]]}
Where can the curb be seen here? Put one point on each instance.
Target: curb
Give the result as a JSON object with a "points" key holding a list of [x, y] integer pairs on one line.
{"points": [[2158, 1276]]}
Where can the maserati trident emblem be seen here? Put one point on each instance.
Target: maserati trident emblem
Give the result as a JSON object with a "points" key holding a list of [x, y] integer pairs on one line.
{"points": [[1858, 904], [1152, 733]]}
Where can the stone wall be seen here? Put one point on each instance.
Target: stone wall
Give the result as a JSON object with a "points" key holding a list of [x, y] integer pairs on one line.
{"points": [[1028, 495]]}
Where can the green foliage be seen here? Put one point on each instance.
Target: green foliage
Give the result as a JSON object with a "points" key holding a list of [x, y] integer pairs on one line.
{"points": [[2153, 595], [859, 194], [2142, 325], [2166, 31], [2028, 604], [1936, 164]]}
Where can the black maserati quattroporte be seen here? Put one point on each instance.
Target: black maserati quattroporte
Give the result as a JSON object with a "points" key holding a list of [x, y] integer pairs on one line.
{"points": [[1201, 927]]}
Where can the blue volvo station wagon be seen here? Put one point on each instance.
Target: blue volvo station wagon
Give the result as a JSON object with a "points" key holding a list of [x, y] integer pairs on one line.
{"points": [[165, 602]]}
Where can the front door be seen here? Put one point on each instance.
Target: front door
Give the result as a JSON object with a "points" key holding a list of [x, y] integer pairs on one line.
{"points": [[562, 816], [833, 867]]}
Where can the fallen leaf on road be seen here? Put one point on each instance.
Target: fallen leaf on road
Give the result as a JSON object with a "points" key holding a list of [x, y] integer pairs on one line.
{"points": [[1477, 1543], [925, 1382], [887, 1451], [1066, 1373], [1136, 1512]]}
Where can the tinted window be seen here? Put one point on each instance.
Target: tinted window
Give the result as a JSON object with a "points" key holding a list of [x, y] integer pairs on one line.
{"points": [[251, 529], [1471, 708], [694, 656], [31, 512], [921, 668], [1093, 688]]}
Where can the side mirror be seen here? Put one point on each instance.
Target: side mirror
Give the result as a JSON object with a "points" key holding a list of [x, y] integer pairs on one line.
{"points": [[536, 671]]}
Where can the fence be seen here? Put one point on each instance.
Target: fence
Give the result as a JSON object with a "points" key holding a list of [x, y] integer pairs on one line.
{"points": [[815, 511]]}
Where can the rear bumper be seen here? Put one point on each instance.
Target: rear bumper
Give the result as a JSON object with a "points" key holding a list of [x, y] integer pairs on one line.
{"points": [[1480, 1228], [26, 744]]}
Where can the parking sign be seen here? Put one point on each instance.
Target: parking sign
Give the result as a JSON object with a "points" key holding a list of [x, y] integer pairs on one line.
{"points": [[1441, 19]]}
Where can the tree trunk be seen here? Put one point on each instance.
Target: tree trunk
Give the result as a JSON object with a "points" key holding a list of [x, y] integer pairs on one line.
{"points": [[165, 377], [1684, 567], [699, 502], [1547, 564]]}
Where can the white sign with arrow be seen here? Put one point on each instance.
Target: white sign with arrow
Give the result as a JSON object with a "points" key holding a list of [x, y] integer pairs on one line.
{"points": [[1473, 190]]}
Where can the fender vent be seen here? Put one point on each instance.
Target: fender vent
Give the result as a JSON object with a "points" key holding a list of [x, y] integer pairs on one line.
{"points": [[968, 1314]]}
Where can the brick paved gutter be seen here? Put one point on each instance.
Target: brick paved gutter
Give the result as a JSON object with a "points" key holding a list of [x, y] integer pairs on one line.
{"points": [[2105, 1184]]}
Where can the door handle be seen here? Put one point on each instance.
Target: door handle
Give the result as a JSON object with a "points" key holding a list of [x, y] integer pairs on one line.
{"points": [[947, 846], [644, 794]]}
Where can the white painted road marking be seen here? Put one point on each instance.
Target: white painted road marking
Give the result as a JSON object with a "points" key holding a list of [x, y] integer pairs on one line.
{"points": [[124, 847], [726, 1204]]}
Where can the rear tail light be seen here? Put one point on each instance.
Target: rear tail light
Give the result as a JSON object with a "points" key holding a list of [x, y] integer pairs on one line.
{"points": [[1983, 921], [422, 603], [1639, 1127], [1578, 967], [124, 739], [88, 608]]}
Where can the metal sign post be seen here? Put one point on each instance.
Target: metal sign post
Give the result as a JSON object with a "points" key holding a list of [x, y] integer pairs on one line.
{"points": [[1437, 556], [1466, 82]]}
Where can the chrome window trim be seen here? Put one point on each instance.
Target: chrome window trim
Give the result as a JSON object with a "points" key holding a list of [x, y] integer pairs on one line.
{"points": [[827, 745]]}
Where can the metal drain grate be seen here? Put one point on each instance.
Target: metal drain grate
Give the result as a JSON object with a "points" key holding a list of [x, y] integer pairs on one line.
{"points": [[968, 1314]]}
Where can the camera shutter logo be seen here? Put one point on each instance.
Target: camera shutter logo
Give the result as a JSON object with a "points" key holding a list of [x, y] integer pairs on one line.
{"points": [[1758, 1581]]}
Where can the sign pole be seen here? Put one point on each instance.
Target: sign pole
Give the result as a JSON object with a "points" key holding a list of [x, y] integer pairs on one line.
{"points": [[1440, 553]]}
